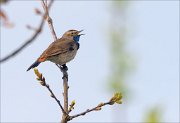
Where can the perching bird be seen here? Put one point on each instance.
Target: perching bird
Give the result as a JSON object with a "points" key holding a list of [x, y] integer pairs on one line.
{"points": [[62, 50]]}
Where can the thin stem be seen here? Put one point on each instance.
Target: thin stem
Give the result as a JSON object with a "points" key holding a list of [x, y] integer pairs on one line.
{"points": [[53, 96], [90, 110], [42, 81], [48, 19]]}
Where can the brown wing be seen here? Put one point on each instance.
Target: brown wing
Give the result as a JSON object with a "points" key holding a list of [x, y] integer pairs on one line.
{"points": [[62, 45]]}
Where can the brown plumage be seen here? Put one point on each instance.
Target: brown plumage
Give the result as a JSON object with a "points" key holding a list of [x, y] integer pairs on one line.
{"points": [[60, 51]]}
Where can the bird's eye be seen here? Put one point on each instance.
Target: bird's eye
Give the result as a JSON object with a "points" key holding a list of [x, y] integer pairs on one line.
{"points": [[72, 33]]}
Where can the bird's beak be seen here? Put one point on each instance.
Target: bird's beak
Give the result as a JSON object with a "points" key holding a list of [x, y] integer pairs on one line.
{"points": [[80, 32]]}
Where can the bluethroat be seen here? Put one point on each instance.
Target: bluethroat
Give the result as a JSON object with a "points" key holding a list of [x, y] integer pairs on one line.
{"points": [[62, 50]]}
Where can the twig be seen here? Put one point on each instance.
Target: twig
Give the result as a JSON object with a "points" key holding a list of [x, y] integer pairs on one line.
{"points": [[97, 108], [48, 19], [117, 98], [27, 42], [53, 96], [43, 83]]}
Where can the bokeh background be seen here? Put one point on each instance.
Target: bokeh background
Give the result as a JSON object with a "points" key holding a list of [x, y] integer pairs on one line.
{"points": [[132, 47]]}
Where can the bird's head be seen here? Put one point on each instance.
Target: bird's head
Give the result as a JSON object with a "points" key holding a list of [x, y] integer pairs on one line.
{"points": [[73, 34]]}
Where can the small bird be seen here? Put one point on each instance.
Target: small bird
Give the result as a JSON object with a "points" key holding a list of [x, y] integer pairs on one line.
{"points": [[62, 50]]}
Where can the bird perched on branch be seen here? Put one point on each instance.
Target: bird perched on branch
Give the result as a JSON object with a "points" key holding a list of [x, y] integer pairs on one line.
{"points": [[62, 50]]}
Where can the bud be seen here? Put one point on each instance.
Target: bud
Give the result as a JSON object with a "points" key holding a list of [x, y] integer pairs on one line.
{"points": [[98, 108], [116, 99], [37, 11], [101, 104], [37, 73], [42, 83]]}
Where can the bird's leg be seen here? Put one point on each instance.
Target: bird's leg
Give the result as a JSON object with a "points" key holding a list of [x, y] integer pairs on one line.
{"points": [[64, 69]]}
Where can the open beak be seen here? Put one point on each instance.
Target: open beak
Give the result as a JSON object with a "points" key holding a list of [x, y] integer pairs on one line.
{"points": [[80, 32]]}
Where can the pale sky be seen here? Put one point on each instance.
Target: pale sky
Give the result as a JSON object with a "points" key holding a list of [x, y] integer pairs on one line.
{"points": [[154, 41]]}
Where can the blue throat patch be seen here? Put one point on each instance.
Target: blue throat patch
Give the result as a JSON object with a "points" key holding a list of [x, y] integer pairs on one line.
{"points": [[76, 38]]}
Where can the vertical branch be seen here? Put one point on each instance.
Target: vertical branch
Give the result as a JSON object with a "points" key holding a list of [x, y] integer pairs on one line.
{"points": [[65, 85], [65, 116], [65, 74], [65, 94]]}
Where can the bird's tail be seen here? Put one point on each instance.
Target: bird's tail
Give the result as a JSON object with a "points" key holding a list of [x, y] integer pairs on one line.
{"points": [[35, 64]]}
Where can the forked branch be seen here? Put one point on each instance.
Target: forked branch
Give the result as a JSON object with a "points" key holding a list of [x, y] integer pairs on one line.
{"points": [[65, 74], [66, 117]]}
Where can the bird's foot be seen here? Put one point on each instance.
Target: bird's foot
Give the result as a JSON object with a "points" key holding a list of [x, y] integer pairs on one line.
{"points": [[64, 67], [64, 70]]}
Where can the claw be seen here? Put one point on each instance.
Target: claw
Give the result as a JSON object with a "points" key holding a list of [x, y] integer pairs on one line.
{"points": [[64, 67]]}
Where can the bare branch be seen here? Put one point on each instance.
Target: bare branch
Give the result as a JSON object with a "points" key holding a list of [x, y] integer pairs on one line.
{"points": [[97, 108], [63, 69], [53, 96], [65, 94], [27, 42], [117, 98], [42, 81], [48, 18]]}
